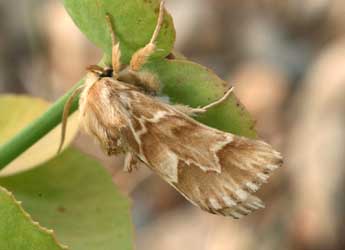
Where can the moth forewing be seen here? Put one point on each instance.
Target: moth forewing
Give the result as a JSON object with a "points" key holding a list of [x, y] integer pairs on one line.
{"points": [[218, 171], [215, 170]]}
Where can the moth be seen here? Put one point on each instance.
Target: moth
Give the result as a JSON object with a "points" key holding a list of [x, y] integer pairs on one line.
{"points": [[216, 171]]}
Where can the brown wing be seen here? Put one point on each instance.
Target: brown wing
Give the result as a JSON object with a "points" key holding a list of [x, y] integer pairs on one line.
{"points": [[216, 171], [246, 165]]}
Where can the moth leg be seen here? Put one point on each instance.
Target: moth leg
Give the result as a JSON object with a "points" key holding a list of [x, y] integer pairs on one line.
{"points": [[112, 150], [186, 109], [115, 53], [140, 57], [65, 114], [195, 111], [113, 144], [130, 163]]}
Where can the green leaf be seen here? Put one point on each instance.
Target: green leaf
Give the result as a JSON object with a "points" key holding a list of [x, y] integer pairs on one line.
{"points": [[73, 195], [189, 83], [16, 112], [18, 231], [134, 22]]}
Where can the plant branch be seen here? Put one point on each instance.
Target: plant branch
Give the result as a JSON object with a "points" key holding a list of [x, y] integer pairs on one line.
{"points": [[28, 136]]}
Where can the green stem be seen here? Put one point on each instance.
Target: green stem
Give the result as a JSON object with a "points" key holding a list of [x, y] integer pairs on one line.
{"points": [[35, 130]]}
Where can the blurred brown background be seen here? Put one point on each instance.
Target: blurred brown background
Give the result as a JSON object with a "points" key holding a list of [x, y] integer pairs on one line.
{"points": [[287, 62]]}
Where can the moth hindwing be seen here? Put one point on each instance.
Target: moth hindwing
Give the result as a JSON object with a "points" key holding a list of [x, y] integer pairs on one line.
{"points": [[215, 170]]}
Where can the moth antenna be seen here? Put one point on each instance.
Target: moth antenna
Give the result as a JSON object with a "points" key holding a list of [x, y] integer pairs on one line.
{"points": [[111, 29], [65, 114], [159, 23], [140, 57], [115, 52]]}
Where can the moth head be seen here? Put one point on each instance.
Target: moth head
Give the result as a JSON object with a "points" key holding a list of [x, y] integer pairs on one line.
{"points": [[99, 71], [94, 74]]}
